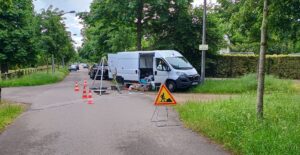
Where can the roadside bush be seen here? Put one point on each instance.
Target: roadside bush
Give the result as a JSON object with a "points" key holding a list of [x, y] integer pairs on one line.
{"points": [[228, 66]]}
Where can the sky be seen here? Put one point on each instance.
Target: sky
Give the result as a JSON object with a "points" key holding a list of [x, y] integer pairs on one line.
{"points": [[72, 22]]}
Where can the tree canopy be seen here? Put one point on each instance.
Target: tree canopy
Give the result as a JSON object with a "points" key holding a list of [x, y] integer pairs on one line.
{"points": [[27, 37], [16, 33], [54, 39], [113, 26], [242, 19]]}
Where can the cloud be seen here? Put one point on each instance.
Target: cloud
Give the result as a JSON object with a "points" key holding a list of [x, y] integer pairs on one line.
{"points": [[73, 24], [78, 40]]}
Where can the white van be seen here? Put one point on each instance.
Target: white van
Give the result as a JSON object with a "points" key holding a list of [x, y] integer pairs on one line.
{"points": [[164, 67]]}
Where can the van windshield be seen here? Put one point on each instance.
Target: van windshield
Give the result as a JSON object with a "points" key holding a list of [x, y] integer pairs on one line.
{"points": [[179, 63]]}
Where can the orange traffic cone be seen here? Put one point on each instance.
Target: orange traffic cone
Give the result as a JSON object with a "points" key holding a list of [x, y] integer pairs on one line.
{"points": [[90, 98], [76, 89], [84, 95]]}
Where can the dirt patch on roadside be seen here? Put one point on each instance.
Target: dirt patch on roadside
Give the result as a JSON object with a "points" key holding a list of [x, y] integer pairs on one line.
{"points": [[183, 98], [297, 84]]}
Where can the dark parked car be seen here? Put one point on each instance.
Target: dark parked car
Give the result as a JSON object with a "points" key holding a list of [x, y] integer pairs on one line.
{"points": [[85, 65], [93, 71]]}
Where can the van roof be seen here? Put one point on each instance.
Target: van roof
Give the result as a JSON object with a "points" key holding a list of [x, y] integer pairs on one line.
{"points": [[163, 53]]}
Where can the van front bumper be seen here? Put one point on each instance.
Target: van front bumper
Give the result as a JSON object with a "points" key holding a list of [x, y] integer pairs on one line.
{"points": [[187, 81]]}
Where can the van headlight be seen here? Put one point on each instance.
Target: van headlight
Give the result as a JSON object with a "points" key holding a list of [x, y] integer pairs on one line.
{"points": [[181, 74]]}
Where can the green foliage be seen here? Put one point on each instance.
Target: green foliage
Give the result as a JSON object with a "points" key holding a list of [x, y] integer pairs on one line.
{"points": [[165, 25], [108, 29], [247, 83], [234, 124], [39, 78], [121, 39], [242, 20], [16, 33], [53, 37], [233, 66], [27, 39], [8, 112]]}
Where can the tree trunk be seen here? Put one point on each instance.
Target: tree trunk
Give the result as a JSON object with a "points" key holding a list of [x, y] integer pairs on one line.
{"points": [[0, 94], [139, 24], [262, 56]]}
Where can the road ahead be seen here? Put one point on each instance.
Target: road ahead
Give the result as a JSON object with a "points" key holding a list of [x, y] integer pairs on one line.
{"points": [[60, 122]]}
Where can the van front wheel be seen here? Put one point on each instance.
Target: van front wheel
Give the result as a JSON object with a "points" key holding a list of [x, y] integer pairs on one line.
{"points": [[171, 85]]}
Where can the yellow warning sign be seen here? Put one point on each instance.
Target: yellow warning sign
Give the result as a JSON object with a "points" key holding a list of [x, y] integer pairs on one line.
{"points": [[164, 97]]}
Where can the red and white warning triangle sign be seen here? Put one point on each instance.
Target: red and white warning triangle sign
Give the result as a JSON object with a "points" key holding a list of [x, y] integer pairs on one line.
{"points": [[164, 97]]}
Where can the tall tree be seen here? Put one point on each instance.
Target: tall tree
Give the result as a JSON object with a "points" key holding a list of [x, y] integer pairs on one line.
{"points": [[261, 71], [16, 34], [54, 38]]}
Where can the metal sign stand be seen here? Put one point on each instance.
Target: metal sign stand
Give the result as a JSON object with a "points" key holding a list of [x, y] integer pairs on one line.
{"points": [[156, 120]]}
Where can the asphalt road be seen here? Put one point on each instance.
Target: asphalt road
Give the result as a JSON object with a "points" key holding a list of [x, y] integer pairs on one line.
{"points": [[60, 122]]}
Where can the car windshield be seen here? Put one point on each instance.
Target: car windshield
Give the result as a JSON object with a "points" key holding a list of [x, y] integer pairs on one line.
{"points": [[179, 63]]}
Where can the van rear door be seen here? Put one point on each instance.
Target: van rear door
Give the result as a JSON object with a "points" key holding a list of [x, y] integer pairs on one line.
{"points": [[128, 66]]}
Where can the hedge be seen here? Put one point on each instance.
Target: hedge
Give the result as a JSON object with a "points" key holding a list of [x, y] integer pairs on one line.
{"points": [[227, 66]]}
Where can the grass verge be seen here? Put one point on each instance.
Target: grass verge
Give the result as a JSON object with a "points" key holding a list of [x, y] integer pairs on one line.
{"points": [[8, 112], [247, 83], [39, 78], [233, 122]]}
